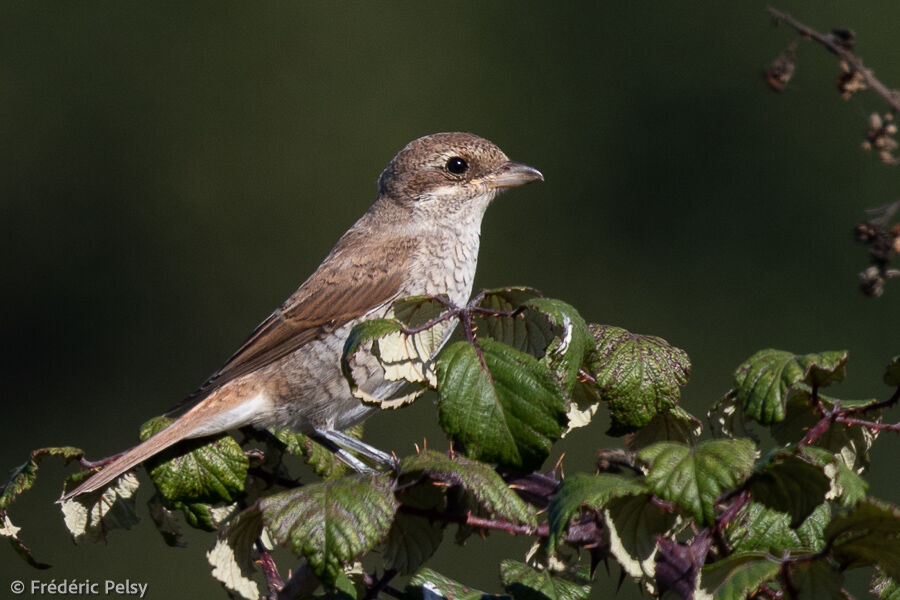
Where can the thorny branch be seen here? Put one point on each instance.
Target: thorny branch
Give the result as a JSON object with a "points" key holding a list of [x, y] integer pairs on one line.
{"points": [[840, 42]]}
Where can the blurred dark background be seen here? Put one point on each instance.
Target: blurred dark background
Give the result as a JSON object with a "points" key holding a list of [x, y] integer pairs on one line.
{"points": [[169, 173]]}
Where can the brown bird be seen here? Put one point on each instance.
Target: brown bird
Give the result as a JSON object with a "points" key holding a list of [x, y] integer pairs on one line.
{"points": [[419, 237]]}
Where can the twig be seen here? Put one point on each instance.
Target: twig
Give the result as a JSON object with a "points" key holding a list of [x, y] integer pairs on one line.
{"points": [[830, 42]]}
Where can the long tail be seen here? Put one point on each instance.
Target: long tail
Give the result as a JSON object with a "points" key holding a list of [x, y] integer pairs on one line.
{"points": [[172, 434], [215, 414]]}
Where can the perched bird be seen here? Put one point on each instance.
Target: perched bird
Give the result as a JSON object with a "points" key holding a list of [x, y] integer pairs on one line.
{"points": [[419, 237]]}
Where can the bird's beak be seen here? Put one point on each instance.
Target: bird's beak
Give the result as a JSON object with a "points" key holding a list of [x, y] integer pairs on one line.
{"points": [[513, 174]]}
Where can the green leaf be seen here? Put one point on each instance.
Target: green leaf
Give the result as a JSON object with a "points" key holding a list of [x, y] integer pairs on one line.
{"points": [[22, 478], [502, 405], [786, 482], [892, 372], [413, 539], [572, 340], [92, 516], [634, 524], [583, 491], [737, 576], [817, 580], [197, 470], [426, 584], [693, 478], [759, 528], [639, 376], [333, 522], [677, 425], [476, 479], [812, 531], [869, 534], [884, 587], [526, 583], [763, 381]]}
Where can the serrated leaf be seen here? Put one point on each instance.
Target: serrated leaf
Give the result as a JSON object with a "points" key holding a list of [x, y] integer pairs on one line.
{"points": [[475, 478], [526, 583], [759, 528], [884, 587], [232, 556], [726, 419], [693, 478], [23, 477], [787, 483], [634, 524], [333, 522], [892, 372], [817, 580], [580, 491], [572, 342], [412, 538], [763, 381], [639, 376], [677, 425], [431, 585], [736, 577], [869, 534], [507, 409], [92, 516], [197, 470]]}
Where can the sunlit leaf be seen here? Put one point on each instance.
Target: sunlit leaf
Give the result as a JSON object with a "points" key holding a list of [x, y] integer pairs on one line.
{"points": [[694, 477], [333, 522], [197, 470], [762, 382], [639, 376], [92, 516], [503, 406]]}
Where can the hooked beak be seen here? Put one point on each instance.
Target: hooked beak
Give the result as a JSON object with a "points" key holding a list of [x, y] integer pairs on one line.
{"points": [[513, 174]]}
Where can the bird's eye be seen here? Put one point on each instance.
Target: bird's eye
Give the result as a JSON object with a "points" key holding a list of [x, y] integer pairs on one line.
{"points": [[457, 165]]}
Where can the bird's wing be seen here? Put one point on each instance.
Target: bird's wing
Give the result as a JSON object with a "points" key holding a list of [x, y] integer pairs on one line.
{"points": [[346, 286]]}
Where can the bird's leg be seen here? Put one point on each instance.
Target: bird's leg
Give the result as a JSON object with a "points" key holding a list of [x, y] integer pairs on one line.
{"points": [[339, 443]]}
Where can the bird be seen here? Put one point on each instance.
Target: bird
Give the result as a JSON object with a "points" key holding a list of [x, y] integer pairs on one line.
{"points": [[420, 236]]}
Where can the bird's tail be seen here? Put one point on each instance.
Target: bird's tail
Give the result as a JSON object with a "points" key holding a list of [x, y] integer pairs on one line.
{"points": [[216, 413], [172, 434]]}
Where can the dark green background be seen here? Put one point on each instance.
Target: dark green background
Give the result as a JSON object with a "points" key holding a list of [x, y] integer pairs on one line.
{"points": [[169, 173]]}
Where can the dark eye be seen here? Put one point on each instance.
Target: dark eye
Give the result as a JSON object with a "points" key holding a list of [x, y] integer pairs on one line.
{"points": [[457, 165]]}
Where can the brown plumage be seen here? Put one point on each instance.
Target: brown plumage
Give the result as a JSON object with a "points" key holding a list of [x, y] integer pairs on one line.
{"points": [[420, 236]]}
